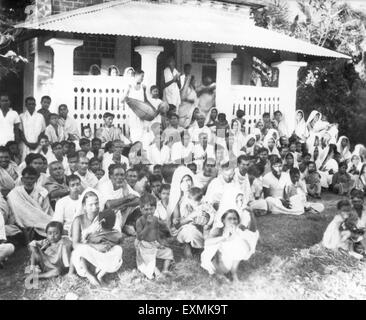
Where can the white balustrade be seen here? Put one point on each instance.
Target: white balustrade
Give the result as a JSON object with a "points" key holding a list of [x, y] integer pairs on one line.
{"points": [[254, 101], [95, 95]]}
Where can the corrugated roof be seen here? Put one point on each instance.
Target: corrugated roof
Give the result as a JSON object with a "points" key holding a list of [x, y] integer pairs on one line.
{"points": [[186, 21]]}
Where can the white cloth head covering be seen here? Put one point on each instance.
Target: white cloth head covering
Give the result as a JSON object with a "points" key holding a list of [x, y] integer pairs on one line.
{"points": [[80, 211], [175, 192], [300, 127], [312, 116], [269, 136], [228, 202], [345, 152], [208, 117]]}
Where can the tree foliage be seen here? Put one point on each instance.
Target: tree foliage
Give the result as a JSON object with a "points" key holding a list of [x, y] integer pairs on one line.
{"points": [[11, 12], [334, 87]]}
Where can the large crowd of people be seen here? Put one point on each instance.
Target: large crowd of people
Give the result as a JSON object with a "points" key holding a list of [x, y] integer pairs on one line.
{"points": [[188, 177]]}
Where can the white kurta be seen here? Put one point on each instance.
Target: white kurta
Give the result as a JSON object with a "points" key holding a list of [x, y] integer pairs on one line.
{"points": [[171, 94], [7, 126], [65, 211], [32, 126], [158, 156], [135, 123]]}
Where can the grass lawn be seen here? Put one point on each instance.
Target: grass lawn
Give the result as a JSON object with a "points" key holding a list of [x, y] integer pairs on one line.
{"points": [[288, 264]]}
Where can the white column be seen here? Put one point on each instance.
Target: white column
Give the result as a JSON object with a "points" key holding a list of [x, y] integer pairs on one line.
{"points": [[63, 70], [149, 55], [287, 84], [223, 81]]}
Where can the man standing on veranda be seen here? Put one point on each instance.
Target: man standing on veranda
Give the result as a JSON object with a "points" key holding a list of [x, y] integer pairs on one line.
{"points": [[9, 121], [31, 127], [69, 124]]}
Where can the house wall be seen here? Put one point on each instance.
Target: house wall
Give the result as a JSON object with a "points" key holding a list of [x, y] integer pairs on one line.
{"points": [[67, 5]]}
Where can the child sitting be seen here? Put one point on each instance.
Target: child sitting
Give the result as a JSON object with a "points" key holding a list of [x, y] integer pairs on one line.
{"points": [[99, 173], [342, 233], [312, 180], [49, 257], [149, 245], [193, 167], [54, 130], [342, 181], [194, 222], [161, 209]]}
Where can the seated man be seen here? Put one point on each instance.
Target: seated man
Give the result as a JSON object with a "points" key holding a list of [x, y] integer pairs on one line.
{"points": [[69, 124], [209, 172], [108, 132], [173, 130], [34, 160], [195, 131], [88, 178], [217, 186], [116, 156], [56, 182], [30, 205], [245, 182], [202, 150], [8, 172], [59, 155], [68, 206], [6, 249], [117, 194]]}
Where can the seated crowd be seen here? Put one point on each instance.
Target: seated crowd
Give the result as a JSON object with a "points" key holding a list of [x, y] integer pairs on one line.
{"points": [[72, 198]]}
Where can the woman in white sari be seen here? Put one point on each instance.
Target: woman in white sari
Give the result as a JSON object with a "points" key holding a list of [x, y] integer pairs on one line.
{"points": [[249, 144], [300, 127], [227, 246], [178, 209], [327, 166], [96, 245], [313, 118], [189, 100], [361, 180], [211, 119], [238, 138], [355, 166], [343, 147], [269, 142]]}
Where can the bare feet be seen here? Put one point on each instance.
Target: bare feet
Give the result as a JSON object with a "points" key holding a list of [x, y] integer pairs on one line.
{"points": [[188, 252], [93, 280]]}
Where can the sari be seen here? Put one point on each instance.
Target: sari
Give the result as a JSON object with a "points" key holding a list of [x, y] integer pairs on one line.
{"points": [[175, 193], [300, 127], [185, 107], [108, 261], [345, 152]]}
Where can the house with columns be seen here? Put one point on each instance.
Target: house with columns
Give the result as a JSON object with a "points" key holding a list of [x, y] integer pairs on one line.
{"points": [[218, 38]]}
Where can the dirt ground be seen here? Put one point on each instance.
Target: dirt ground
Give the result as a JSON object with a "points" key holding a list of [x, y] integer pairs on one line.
{"points": [[288, 264]]}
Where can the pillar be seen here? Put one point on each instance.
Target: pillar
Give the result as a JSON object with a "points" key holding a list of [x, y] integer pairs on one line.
{"points": [[287, 84], [149, 55], [63, 70], [223, 81]]}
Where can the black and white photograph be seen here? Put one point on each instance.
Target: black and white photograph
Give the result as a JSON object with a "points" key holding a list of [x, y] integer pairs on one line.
{"points": [[210, 150]]}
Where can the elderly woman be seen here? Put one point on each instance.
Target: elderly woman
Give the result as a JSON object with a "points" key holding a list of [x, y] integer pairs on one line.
{"points": [[96, 238], [238, 137], [178, 209], [269, 143], [327, 165], [228, 245]]}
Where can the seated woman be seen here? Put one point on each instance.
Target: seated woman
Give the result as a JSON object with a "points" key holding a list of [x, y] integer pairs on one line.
{"points": [[137, 154], [327, 167], [179, 209], [96, 239], [361, 180], [227, 246], [211, 119], [343, 147], [249, 144], [355, 166], [290, 162]]}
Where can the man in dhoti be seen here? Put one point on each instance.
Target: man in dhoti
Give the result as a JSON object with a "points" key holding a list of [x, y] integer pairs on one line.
{"points": [[32, 125], [172, 85], [30, 204]]}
